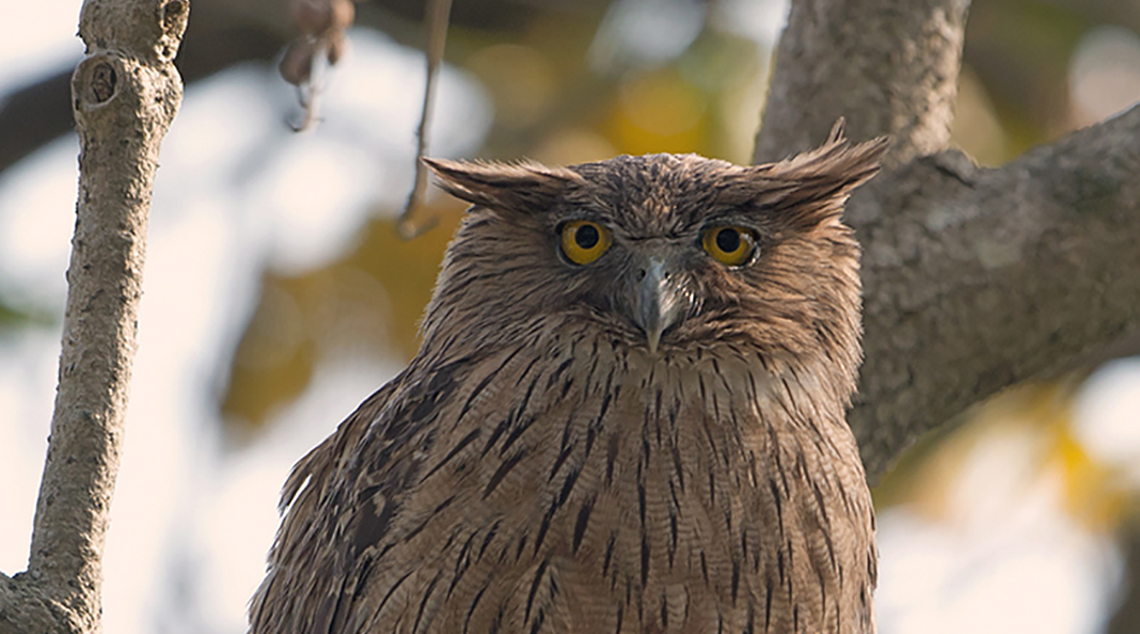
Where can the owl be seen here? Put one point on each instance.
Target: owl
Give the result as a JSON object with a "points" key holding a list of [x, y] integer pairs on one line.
{"points": [[627, 416]]}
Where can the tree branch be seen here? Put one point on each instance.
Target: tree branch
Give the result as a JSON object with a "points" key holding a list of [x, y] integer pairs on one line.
{"points": [[975, 279], [888, 66], [125, 94]]}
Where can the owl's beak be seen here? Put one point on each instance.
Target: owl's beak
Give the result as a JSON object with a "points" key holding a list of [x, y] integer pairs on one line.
{"points": [[658, 301]]}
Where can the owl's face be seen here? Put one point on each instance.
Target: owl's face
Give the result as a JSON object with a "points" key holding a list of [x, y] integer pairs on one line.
{"points": [[659, 252]]}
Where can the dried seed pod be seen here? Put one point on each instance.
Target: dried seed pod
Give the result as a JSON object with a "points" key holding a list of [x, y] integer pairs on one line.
{"points": [[296, 65], [337, 46], [312, 16], [343, 13]]}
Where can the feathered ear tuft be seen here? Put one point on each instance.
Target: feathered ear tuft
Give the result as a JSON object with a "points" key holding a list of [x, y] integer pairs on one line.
{"points": [[811, 187], [506, 187]]}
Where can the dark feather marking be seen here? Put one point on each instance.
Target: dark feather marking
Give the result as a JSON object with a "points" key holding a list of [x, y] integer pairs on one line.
{"points": [[644, 559], [827, 542], [459, 446], [704, 568], [611, 458], [496, 622], [641, 503], [435, 512], [545, 525], [646, 452], [372, 526], [496, 434], [568, 486], [534, 585], [502, 471], [778, 499], [608, 558], [560, 460], [517, 432], [489, 538], [672, 550], [538, 621], [364, 571], [822, 588], [522, 545], [677, 466], [592, 429], [475, 603], [484, 383], [821, 504], [581, 523], [392, 591], [424, 601], [557, 373], [769, 591], [462, 562]]}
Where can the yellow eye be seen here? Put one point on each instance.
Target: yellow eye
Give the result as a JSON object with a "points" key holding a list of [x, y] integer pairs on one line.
{"points": [[584, 241], [729, 245]]}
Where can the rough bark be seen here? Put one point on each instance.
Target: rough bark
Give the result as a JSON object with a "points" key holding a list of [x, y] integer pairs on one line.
{"points": [[125, 93], [888, 66], [976, 279]]}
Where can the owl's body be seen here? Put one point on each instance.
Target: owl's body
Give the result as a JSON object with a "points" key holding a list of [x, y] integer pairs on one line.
{"points": [[649, 442]]}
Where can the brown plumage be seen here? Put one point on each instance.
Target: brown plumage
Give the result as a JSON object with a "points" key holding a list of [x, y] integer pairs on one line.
{"points": [[650, 442]]}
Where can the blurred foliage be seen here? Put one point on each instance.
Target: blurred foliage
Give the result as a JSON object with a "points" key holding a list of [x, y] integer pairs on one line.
{"points": [[1035, 424], [367, 303], [14, 315]]}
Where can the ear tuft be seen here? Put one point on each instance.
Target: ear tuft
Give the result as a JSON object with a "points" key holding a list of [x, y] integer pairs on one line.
{"points": [[524, 187], [838, 132], [812, 187]]}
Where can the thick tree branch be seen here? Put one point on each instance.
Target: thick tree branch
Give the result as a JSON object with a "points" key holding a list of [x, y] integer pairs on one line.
{"points": [[975, 279], [125, 94], [888, 66]]}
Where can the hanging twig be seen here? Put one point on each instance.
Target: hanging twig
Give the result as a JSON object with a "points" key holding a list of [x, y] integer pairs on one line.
{"points": [[438, 12], [307, 59]]}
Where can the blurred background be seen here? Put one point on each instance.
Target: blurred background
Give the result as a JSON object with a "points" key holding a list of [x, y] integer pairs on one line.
{"points": [[278, 295]]}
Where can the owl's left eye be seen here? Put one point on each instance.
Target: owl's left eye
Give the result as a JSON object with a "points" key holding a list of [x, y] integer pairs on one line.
{"points": [[729, 245], [584, 241]]}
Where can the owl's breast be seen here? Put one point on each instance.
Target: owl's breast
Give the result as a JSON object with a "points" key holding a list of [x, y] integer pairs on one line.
{"points": [[591, 494]]}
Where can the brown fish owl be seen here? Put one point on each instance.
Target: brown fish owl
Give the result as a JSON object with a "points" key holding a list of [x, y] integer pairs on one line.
{"points": [[627, 416]]}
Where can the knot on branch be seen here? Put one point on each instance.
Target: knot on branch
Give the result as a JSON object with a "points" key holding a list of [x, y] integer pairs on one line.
{"points": [[103, 82]]}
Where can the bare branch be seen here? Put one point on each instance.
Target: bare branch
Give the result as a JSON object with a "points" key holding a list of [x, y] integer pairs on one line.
{"points": [[889, 66], [125, 94], [976, 279]]}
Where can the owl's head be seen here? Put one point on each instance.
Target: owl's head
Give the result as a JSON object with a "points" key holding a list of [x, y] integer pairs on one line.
{"points": [[660, 252]]}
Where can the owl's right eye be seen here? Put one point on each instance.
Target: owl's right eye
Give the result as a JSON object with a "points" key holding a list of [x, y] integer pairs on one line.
{"points": [[584, 241]]}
